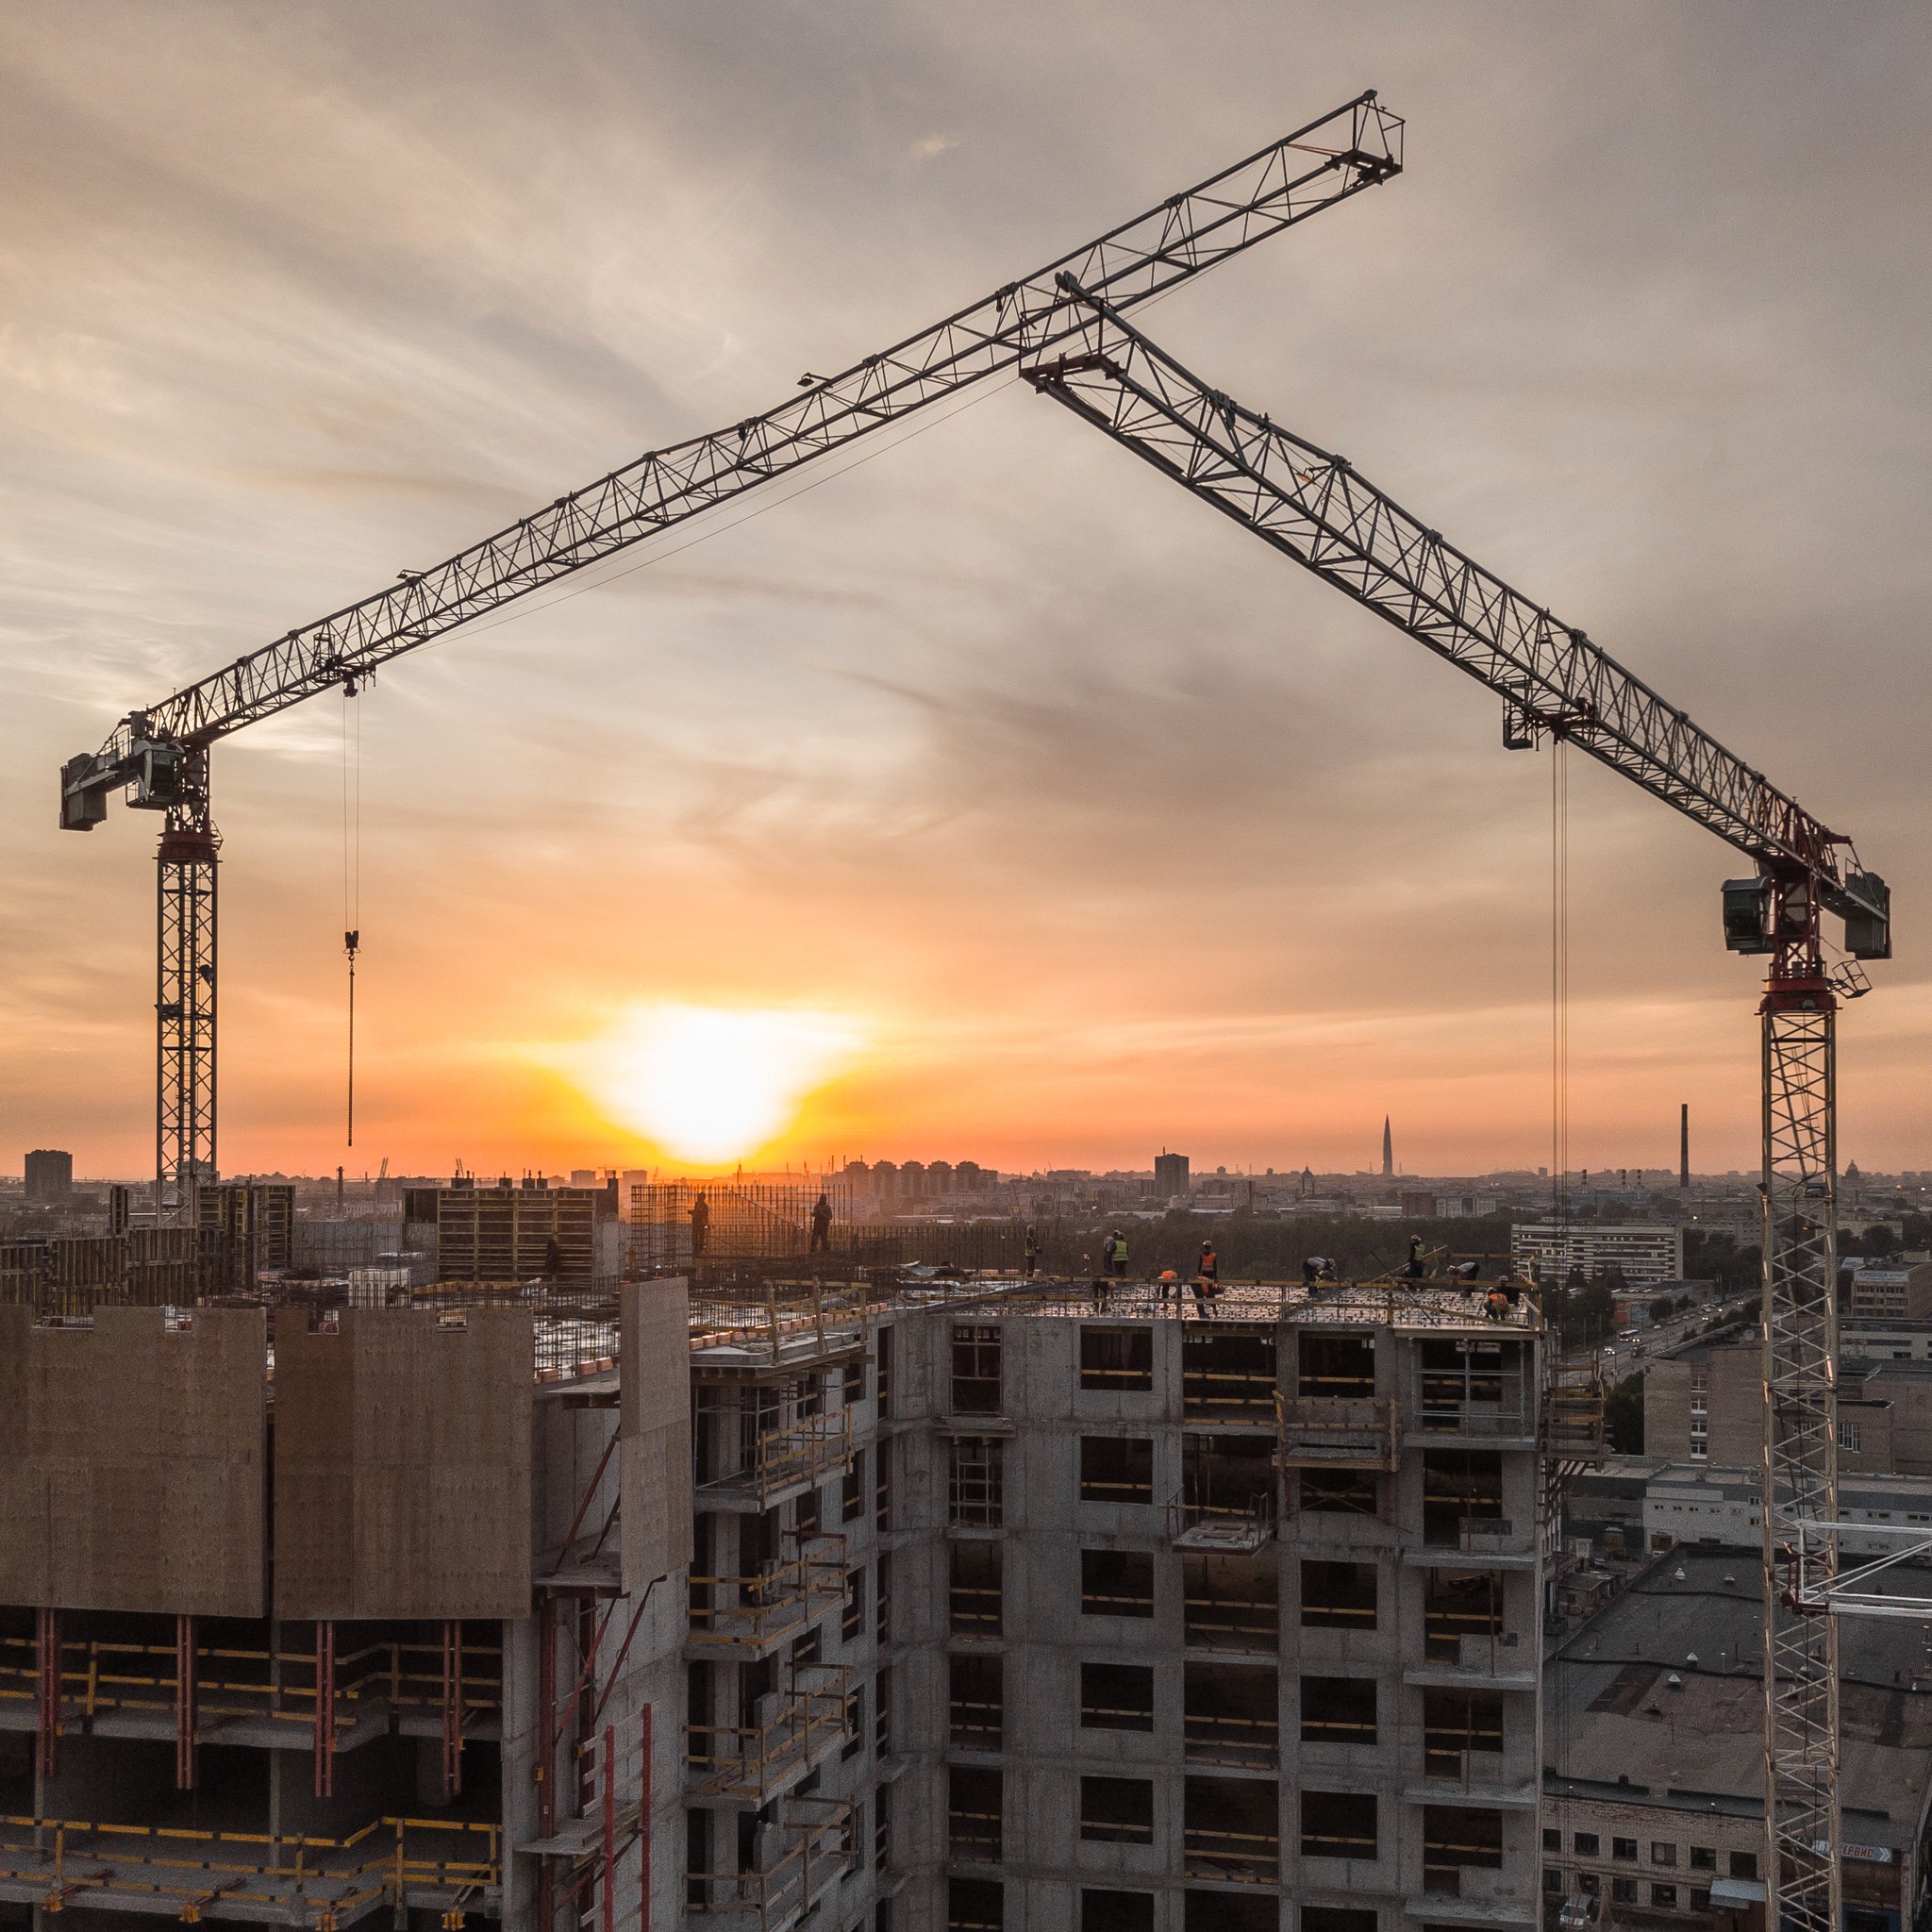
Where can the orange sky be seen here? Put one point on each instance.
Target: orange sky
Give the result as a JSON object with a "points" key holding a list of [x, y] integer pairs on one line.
{"points": [[1098, 824]]}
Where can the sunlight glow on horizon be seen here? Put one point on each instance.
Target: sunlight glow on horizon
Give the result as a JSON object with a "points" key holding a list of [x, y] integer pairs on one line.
{"points": [[713, 1083]]}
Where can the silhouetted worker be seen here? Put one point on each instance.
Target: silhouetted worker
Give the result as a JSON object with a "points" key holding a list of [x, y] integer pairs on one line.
{"points": [[1116, 1253], [821, 1227], [700, 1224], [1416, 1269], [1207, 1278], [1029, 1258]]}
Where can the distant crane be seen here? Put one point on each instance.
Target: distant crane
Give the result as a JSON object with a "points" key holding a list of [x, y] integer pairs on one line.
{"points": [[1314, 508], [159, 757]]}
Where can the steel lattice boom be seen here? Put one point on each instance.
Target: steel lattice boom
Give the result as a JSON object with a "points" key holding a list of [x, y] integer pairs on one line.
{"points": [[1314, 508], [161, 754], [1314, 168]]}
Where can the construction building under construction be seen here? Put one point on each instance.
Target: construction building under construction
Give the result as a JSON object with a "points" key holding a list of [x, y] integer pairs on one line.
{"points": [[966, 1606]]}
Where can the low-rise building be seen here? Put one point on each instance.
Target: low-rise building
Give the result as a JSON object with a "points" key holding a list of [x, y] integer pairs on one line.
{"points": [[1703, 1402], [1652, 1798], [1890, 1290], [1865, 1340]]}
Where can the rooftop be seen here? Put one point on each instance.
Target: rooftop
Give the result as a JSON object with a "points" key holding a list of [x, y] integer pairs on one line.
{"points": [[1612, 1709]]}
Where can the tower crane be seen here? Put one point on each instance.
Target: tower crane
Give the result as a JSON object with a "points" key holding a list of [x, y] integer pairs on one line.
{"points": [[1313, 507], [159, 758]]}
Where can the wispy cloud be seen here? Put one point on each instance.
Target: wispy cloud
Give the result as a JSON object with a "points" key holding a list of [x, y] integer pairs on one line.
{"points": [[1117, 824]]}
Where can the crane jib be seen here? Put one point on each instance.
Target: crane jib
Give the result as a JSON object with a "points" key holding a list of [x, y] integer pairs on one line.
{"points": [[1355, 148], [1315, 508]]}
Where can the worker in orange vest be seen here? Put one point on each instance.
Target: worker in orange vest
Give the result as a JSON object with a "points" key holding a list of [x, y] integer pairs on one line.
{"points": [[1207, 1276]]}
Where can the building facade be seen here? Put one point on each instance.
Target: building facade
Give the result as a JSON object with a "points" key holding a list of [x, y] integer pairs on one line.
{"points": [[1648, 1253], [970, 1612], [1703, 1402]]}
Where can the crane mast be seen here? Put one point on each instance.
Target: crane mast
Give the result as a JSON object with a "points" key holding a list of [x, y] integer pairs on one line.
{"points": [[160, 757], [1314, 508]]}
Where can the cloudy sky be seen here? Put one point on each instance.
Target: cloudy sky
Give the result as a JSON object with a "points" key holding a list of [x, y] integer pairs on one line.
{"points": [[1066, 818]]}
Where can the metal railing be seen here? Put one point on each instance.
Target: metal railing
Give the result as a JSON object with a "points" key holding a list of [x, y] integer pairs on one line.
{"points": [[1338, 1432], [1226, 1622], [782, 1459], [1512, 1416], [778, 1892], [1253, 1743], [1214, 1852], [185, 1872], [232, 1683], [754, 1762], [785, 1599]]}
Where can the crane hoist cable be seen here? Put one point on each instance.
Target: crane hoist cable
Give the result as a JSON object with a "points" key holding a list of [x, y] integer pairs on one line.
{"points": [[1559, 1001], [352, 868]]}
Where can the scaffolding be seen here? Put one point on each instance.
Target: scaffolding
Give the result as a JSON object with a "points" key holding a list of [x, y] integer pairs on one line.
{"points": [[779, 1601], [792, 1731], [71, 1276], [806, 1849], [445, 1865]]}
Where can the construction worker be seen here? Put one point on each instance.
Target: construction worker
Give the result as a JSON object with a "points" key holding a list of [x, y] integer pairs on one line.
{"points": [[821, 1227], [1117, 1254], [1031, 1254], [700, 1223], [1417, 1268], [1316, 1269], [1207, 1278]]}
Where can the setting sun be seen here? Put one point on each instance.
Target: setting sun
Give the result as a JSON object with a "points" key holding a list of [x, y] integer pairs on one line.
{"points": [[715, 1084]]}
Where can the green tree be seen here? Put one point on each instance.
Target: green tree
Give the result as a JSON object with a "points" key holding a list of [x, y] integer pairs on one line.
{"points": [[1624, 1416]]}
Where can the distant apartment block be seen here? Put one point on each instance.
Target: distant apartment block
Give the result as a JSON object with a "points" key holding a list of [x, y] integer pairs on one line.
{"points": [[1646, 1253], [1171, 1177], [893, 1183], [1654, 1794], [49, 1175]]}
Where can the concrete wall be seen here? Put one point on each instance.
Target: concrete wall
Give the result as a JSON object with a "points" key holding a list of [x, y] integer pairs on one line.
{"points": [[131, 1463], [1734, 1405], [403, 1466], [654, 1440], [1908, 1398], [1047, 1635]]}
